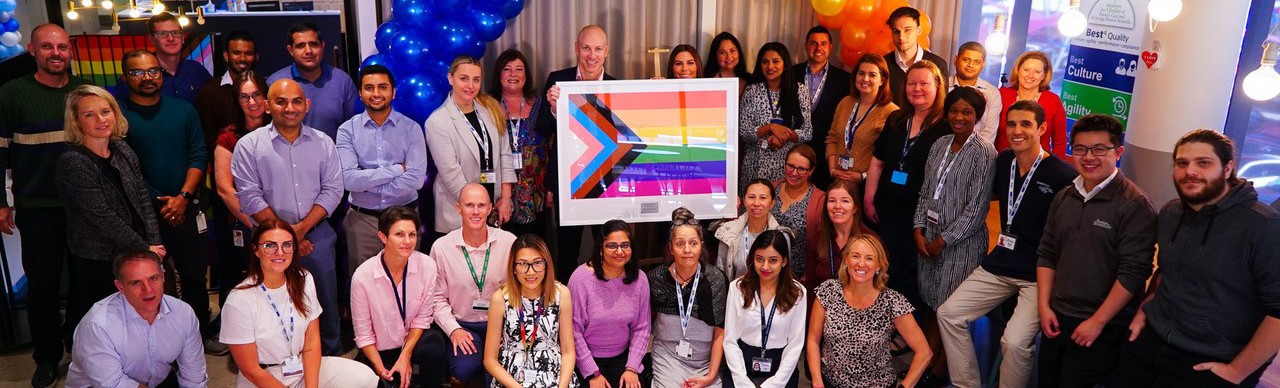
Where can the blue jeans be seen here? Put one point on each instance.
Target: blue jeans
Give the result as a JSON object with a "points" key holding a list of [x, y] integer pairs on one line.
{"points": [[465, 367], [321, 263]]}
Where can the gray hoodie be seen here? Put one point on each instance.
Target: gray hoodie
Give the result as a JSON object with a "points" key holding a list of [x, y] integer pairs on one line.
{"points": [[1219, 273]]}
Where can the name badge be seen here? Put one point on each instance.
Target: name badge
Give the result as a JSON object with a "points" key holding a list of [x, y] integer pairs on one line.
{"points": [[683, 349], [763, 144], [488, 177], [201, 224], [291, 366], [933, 216], [846, 163], [517, 160], [899, 177], [480, 305], [762, 364], [1007, 241], [237, 238]]}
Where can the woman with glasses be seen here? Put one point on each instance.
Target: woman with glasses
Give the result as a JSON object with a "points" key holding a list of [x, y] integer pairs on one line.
{"points": [[774, 115], [270, 323], [108, 209], [251, 91], [611, 314], [800, 203], [688, 301], [736, 236], [764, 350], [1032, 74], [393, 299], [526, 345]]}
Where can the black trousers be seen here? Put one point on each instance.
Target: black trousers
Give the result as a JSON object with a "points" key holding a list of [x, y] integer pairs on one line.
{"points": [[897, 231], [1151, 362], [44, 253], [428, 360], [233, 261], [188, 249], [1063, 363], [91, 281]]}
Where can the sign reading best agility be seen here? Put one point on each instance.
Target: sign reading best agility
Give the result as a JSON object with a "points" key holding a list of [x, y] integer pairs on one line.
{"points": [[1102, 62]]}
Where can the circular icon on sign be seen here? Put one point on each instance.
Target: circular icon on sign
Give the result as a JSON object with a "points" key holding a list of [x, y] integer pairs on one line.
{"points": [[1119, 105]]}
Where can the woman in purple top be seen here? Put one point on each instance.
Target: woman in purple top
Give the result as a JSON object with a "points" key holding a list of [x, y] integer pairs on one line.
{"points": [[611, 317]]}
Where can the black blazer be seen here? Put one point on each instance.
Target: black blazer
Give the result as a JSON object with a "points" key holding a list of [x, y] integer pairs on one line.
{"points": [[824, 110], [547, 124], [898, 78], [99, 222]]}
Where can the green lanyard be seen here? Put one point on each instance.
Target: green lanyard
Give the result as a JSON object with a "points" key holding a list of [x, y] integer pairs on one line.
{"points": [[478, 279]]}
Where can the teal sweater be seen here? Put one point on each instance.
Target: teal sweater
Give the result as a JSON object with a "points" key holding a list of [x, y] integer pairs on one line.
{"points": [[31, 138], [168, 140]]}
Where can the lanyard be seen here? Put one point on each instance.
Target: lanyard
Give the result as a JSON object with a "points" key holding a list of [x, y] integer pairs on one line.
{"points": [[766, 325], [831, 257], [906, 145], [288, 334], [482, 139], [685, 314], [855, 123], [1014, 204], [477, 279], [813, 99], [401, 303], [945, 167], [773, 104], [518, 124], [527, 341]]}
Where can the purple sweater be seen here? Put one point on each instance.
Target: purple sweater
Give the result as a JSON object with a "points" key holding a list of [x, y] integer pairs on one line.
{"points": [[609, 317]]}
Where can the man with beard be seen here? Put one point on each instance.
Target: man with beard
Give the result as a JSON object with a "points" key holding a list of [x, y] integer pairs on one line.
{"points": [[1211, 316], [384, 162], [290, 171], [31, 138], [182, 77], [165, 133], [970, 60], [330, 88], [826, 86], [215, 101], [1094, 257]]}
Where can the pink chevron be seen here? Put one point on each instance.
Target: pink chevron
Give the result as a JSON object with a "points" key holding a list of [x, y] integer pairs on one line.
{"points": [[593, 146]]}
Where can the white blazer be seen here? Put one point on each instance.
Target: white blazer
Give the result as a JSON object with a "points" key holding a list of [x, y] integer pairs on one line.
{"points": [[457, 158]]}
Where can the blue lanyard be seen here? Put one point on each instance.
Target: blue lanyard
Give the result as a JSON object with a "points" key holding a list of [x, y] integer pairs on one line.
{"points": [[945, 168], [774, 110], [685, 314], [906, 145], [401, 303], [766, 325], [288, 334], [831, 257], [855, 123], [1012, 203]]}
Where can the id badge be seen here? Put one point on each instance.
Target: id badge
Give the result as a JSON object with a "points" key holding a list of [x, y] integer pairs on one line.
{"points": [[517, 160], [846, 163], [933, 216], [1007, 241], [201, 224], [480, 305], [488, 177], [899, 177], [777, 120], [291, 366], [237, 238], [762, 364], [763, 144], [683, 349]]}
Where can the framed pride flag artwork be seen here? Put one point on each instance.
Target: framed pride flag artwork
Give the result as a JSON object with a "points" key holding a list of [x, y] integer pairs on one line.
{"points": [[636, 150]]}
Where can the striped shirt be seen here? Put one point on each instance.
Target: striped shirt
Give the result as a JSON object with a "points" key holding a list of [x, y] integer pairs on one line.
{"points": [[961, 204], [31, 138]]}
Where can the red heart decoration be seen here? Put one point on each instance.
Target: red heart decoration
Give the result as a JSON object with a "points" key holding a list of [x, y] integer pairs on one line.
{"points": [[1150, 58]]}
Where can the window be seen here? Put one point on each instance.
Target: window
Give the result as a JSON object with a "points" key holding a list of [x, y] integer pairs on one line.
{"points": [[1260, 146]]}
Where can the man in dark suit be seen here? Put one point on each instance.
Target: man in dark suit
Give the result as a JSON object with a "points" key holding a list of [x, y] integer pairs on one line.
{"points": [[592, 48], [826, 86], [904, 23]]}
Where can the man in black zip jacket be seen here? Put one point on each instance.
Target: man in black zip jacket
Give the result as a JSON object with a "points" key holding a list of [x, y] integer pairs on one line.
{"points": [[1210, 317]]}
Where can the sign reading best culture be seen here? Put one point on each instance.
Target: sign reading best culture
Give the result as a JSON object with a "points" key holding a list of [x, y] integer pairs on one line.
{"points": [[1103, 61]]}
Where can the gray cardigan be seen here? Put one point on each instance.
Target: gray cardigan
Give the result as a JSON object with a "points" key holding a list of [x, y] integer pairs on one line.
{"points": [[98, 225]]}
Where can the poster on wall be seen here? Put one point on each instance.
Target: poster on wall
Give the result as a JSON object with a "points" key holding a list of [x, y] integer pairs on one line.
{"points": [[1102, 62], [636, 150]]}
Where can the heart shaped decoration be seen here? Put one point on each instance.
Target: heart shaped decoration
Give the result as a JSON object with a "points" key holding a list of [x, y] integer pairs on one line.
{"points": [[1150, 58]]}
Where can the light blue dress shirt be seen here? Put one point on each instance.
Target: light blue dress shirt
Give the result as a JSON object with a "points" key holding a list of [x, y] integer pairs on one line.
{"points": [[116, 347], [372, 156]]}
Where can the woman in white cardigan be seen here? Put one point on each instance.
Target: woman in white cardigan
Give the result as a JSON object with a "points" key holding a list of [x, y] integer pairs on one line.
{"points": [[467, 139], [737, 235]]}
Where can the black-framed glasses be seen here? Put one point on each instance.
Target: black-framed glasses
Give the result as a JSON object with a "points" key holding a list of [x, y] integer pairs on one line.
{"points": [[626, 246], [257, 95], [138, 73], [274, 247], [794, 168], [536, 266], [1099, 150], [167, 34]]}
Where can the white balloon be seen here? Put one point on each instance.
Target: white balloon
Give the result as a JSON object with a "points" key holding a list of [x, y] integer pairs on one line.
{"points": [[10, 38], [5, 16]]}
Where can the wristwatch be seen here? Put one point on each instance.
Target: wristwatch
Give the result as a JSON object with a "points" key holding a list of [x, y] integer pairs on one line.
{"points": [[187, 196]]}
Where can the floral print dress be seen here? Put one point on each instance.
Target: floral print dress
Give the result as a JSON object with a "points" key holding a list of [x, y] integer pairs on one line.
{"points": [[536, 365]]}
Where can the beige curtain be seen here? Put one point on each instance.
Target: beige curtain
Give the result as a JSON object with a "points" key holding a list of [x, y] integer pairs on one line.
{"points": [[756, 22]]}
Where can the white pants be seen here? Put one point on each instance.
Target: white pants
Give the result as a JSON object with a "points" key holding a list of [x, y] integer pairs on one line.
{"points": [[977, 295], [335, 372]]}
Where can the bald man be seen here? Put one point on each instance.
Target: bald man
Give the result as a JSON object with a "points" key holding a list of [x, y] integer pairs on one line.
{"points": [[290, 171], [592, 48], [472, 264], [32, 107]]}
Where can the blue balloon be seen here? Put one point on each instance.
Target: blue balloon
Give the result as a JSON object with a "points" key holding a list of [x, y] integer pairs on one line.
{"points": [[410, 12], [408, 46], [454, 37], [511, 8], [8, 5], [418, 95], [5, 16], [386, 32], [488, 25], [377, 59], [11, 25], [477, 49], [4, 52]]}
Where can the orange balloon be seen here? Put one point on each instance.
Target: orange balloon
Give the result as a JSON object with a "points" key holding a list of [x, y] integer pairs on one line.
{"points": [[859, 11], [854, 37], [828, 7], [831, 22], [849, 57], [926, 25], [881, 41], [890, 5], [924, 41]]}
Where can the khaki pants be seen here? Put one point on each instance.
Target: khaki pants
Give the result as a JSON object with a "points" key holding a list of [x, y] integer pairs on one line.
{"points": [[977, 295], [362, 239]]}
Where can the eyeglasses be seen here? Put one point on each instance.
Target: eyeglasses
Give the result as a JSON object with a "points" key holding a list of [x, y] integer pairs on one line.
{"points": [[138, 73], [167, 34], [274, 247], [535, 266], [794, 168], [1100, 150], [247, 97], [626, 246]]}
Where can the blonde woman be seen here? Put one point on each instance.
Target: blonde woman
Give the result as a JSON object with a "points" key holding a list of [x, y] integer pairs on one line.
{"points": [[1030, 80]]}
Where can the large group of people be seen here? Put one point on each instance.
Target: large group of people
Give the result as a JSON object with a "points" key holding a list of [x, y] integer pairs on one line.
{"points": [[860, 259]]}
